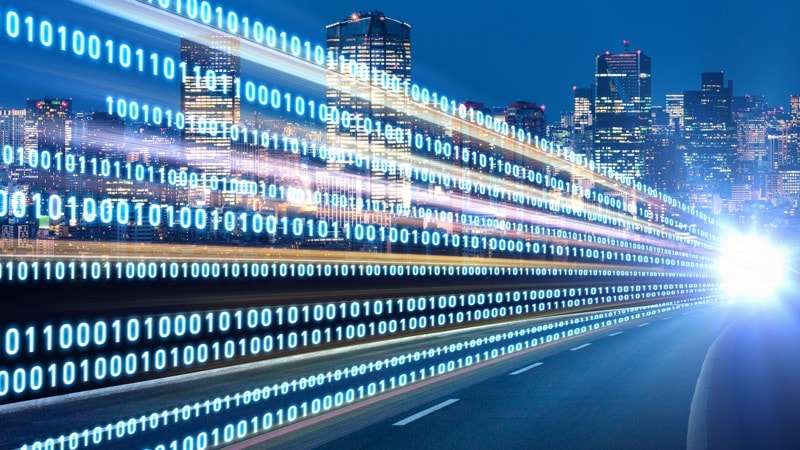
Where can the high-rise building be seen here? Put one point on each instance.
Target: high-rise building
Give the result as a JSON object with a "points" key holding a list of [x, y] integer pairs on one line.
{"points": [[583, 120], [12, 127], [383, 46], [528, 116], [793, 128], [622, 112], [663, 160], [48, 127], [208, 96], [751, 126], [12, 133], [674, 109], [710, 139], [794, 107]]}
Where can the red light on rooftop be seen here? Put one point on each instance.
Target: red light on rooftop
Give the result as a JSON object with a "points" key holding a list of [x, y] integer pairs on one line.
{"points": [[355, 17], [574, 88]]}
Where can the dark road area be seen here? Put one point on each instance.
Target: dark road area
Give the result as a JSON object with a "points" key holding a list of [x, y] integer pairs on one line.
{"points": [[630, 388], [714, 375]]}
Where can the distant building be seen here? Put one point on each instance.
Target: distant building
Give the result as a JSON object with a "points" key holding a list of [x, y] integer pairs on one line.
{"points": [[751, 161], [583, 120], [48, 127], [674, 109], [710, 140], [793, 128], [12, 133], [751, 127], [560, 133], [383, 45], [12, 127], [663, 160], [207, 153], [622, 112], [785, 183], [528, 116]]}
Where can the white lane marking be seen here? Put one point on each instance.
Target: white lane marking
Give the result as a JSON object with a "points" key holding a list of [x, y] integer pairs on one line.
{"points": [[580, 347], [643, 325], [667, 318], [425, 412], [526, 368], [616, 334]]}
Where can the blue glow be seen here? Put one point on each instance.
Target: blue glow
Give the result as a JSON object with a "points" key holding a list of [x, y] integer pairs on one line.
{"points": [[751, 267]]}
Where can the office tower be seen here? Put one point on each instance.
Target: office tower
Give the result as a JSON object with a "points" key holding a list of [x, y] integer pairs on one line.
{"points": [[560, 133], [208, 96], [528, 116], [583, 120], [793, 128], [710, 139], [751, 126], [779, 149], [383, 46], [12, 133], [12, 127], [674, 109], [48, 127], [622, 112], [663, 161]]}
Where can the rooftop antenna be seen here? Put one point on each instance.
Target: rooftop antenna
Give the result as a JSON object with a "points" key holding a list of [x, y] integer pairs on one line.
{"points": [[627, 44]]}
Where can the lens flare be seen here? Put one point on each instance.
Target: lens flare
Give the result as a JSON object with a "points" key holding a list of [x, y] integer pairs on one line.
{"points": [[751, 268]]}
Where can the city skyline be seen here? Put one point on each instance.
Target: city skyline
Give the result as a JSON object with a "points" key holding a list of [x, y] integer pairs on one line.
{"points": [[676, 60], [619, 107], [221, 228]]}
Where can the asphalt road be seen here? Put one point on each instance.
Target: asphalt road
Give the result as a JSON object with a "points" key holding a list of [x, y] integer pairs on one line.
{"points": [[627, 388], [145, 415], [707, 376]]}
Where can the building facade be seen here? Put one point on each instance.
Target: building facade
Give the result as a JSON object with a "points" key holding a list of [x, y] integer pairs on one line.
{"points": [[710, 140], [208, 95], [622, 122], [382, 46]]}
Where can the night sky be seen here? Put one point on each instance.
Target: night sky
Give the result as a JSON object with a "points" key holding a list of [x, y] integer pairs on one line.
{"points": [[494, 52]]}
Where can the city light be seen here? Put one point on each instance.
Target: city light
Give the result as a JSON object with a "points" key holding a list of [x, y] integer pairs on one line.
{"points": [[751, 267], [191, 189]]}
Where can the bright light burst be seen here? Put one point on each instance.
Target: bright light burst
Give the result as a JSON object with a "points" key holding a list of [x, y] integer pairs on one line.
{"points": [[751, 268]]}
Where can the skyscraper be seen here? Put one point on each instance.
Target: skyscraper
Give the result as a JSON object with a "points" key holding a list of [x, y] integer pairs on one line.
{"points": [[622, 112], [583, 120], [48, 126], [12, 127], [383, 45], [710, 139], [664, 163], [12, 133], [527, 115], [794, 128], [751, 126], [210, 61], [674, 110]]}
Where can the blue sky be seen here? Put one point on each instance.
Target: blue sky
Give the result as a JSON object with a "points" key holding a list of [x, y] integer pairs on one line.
{"points": [[537, 50], [495, 52]]}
